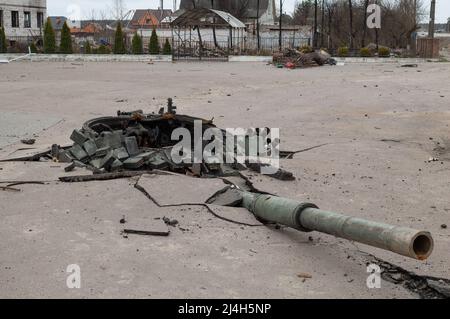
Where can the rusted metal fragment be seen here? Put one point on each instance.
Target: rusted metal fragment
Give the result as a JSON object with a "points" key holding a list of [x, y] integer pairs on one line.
{"points": [[146, 226], [101, 177]]}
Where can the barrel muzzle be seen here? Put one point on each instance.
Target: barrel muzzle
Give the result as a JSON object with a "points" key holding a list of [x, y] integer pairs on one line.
{"points": [[308, 217]]}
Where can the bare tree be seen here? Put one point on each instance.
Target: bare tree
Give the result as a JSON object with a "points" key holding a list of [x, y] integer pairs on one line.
{"points": [[315, 25], [302, 12], [118, 9], [257, 25], [214, 26], [322, 23], [363, 39], [350, 16]]}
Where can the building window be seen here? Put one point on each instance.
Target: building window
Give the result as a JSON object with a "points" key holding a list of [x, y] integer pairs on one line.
{"points": [[27, 19], [40, 19], [1, 18], [15, 19]]}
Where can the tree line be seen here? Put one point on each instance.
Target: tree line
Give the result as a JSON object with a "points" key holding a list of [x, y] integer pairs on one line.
{"points": [[338, 23], [66, 43]]}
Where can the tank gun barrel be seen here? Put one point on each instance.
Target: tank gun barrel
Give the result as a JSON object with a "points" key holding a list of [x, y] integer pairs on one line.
{"points": [[308, 217]]}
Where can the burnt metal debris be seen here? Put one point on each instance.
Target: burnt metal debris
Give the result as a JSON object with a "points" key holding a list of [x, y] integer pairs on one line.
{"points": [[133, 144], [134, 141], [292, 58]]}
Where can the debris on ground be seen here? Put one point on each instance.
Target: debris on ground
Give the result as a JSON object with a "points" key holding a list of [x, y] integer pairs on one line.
{"points": [[292, 58], [304, 275], [170, 222], [146, 232], [29, 141], [412, 65], [9, 189], [146, 227], [114, 147]]}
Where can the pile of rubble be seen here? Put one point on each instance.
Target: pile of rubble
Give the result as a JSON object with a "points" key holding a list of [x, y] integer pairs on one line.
{"points": [[292, 58], [142, 142]]}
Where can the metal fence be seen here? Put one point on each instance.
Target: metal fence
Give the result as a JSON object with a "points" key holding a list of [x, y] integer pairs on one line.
{"points": [[273, 44], [220, 50], [206, 51]]}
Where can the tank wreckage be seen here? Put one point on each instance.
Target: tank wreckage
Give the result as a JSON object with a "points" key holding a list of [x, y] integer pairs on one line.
{"points": [[135, 143]]}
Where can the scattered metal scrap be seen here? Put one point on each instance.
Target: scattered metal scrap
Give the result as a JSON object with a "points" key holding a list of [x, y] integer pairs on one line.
{"points": [[134, 143], [10, 189], [292, 58], [10, 186], [146, 232], [101, 177], [411, 65], [29, 141]]}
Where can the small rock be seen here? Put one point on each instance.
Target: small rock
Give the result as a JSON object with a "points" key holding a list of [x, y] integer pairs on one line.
{"points": [[29, 141], [123, 220], [304, 275], [444, 226], [170, 222]]}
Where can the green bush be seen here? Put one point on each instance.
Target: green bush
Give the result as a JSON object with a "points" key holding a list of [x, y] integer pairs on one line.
{"points": [[3, 42], [167, 50], [119, 43], [153, 47], [87, 48], [343, 51], [33, 48], [136, 44], [49, 38], [306, 49], [384, 52], [65, 46], [365, 52], [103, 49]]}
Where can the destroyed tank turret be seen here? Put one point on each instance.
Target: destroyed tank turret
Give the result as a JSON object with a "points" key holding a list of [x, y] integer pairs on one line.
{"points": [[134, 141]]}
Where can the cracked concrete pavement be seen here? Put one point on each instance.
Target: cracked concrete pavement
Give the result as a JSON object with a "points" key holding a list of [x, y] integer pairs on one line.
{"points": [[380, 122]]}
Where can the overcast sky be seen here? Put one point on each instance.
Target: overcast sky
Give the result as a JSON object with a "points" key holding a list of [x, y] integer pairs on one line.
{"points": [[67, 7]]}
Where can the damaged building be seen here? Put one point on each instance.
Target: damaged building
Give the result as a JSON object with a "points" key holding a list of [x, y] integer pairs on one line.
{"points": [[247, 11], [23, 20]]}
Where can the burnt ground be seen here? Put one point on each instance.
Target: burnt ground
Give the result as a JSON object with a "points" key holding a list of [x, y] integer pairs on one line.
{"points": [[380, 123]]}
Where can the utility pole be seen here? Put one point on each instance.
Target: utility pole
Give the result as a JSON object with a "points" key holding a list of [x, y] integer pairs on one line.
{"points": [[280, 43], [257, 25], [315, 25], [322, 24], [432, 19], [414, 35]]}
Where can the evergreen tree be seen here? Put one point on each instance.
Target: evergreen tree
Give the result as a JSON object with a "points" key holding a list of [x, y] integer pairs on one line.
{"points": [[66, 40], [87, 48], [3, 43], [167, 50], [33, 48], [49, 37], [119, 44], [154, 43], [137, 44]]}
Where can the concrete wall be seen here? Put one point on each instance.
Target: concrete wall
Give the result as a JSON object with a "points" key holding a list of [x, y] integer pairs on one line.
{"points": [[87, 58], [32, 6], [250, 58]]}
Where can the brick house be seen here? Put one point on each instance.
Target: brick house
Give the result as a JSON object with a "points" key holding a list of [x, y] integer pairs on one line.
{"points": [[149, 18], [22, 19]]}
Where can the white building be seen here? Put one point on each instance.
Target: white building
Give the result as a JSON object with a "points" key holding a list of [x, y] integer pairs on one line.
{"points": [[22, 18]]}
